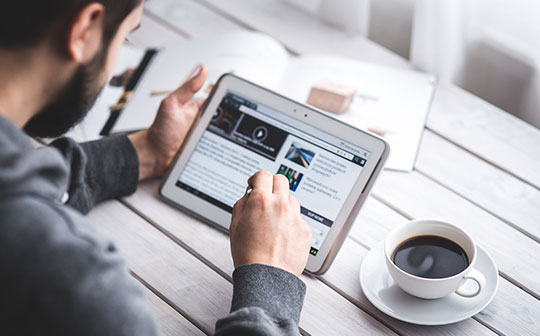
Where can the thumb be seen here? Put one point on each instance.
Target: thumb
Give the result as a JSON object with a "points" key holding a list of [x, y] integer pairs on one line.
{"points": [[186, 91]]}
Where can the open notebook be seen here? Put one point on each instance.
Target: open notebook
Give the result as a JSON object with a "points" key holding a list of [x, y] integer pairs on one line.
{"points": [[395, 100]]}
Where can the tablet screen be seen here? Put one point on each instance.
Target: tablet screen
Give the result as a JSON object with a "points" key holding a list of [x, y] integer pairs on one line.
{"points": [[244, 137]]}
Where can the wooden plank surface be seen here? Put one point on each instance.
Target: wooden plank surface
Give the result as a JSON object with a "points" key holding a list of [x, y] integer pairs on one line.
{"points": [[199, 293], [171, 323], [146, 201], [485, 130], [374, 223], [325, 311], [503, 195]]}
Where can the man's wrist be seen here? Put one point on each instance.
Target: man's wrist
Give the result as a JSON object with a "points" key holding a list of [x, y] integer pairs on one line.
{"points": [[149, 164]]}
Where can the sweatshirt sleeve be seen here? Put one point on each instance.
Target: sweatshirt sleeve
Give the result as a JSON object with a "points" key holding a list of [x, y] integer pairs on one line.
{"points": [[99, 170], [266, 301]]}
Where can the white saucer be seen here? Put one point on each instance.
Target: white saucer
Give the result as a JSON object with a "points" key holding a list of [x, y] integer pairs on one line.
{"points": [[383, 293]]}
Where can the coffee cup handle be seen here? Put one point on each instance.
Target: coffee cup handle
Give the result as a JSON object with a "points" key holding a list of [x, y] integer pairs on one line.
{"points": [[477, 277]]}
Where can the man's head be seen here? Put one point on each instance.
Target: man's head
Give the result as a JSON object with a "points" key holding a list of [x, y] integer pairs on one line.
{"points": [[82, 39]]}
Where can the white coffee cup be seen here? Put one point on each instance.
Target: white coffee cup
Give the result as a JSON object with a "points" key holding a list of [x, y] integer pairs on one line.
{"points": [[434, 288]]}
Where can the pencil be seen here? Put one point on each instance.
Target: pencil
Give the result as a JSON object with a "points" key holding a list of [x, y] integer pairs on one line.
{"points": [[192, 73], [159, 93]]}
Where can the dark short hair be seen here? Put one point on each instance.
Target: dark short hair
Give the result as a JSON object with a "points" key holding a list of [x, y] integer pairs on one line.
{"points": [[24, 23]]}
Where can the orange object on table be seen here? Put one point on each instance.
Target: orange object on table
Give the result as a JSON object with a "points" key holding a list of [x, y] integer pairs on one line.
{"points": [[331, 97]]}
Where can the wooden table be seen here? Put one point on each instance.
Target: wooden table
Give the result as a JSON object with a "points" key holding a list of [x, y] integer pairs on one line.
{"points": [[478, 167]]}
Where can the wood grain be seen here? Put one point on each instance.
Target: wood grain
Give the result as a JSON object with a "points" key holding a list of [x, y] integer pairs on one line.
{"points": [[485, 130], [170, 322], [200, 293], [502, 194], [343, 275], [145, 201], [325, 311]]}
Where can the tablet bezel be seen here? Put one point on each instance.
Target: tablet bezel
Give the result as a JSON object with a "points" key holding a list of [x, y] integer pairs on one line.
{"points": [[208, 212]]}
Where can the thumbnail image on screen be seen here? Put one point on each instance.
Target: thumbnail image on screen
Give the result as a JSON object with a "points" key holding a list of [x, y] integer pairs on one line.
{"points": [[300, 155], [292, 175]]}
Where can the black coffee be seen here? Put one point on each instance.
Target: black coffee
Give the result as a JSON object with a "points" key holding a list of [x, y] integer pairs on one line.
{"points": [[430, 257]]}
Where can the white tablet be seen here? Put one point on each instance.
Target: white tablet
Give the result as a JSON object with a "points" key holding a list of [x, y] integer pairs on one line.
{"points": [[244, 128]]}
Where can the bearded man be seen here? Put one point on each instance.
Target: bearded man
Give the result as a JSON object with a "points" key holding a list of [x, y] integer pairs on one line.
{"points": [[58, 276]]}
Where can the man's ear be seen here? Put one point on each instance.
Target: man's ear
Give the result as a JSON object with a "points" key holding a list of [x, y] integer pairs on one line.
{"points": [[85, 33]]}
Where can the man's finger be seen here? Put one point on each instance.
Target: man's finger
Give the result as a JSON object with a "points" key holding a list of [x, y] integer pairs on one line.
{"points": [[186, 91], [261, 181], [294, 203], [281, 184]]}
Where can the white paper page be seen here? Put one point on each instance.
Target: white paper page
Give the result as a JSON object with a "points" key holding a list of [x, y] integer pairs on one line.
{"points": [[391, 99], [89, 128], [253, 56]]}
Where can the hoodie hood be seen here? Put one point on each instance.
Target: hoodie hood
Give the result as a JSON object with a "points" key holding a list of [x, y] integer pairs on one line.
{"points": [[25, 169]]}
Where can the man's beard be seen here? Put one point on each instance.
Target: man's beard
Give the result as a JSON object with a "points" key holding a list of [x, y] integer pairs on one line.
{"points": [[72, 103]]}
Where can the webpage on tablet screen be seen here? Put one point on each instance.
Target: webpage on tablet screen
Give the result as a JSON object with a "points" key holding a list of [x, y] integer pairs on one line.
{"points": [[244, 137]]}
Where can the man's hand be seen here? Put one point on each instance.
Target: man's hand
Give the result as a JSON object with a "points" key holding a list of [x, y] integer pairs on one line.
{"points": [[266, 227], [157, 145]]}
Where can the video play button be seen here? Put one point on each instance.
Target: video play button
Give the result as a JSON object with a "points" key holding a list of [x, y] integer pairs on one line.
{"points": [[260, 133]]}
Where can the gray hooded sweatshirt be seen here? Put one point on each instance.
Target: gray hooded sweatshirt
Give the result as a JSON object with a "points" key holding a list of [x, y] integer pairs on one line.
{"points": [[58, 277]]}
